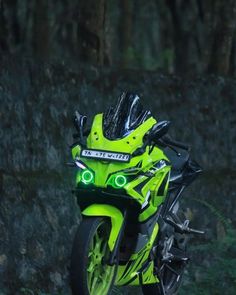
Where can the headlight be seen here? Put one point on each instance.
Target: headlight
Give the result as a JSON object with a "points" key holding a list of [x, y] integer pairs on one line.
{"points": [[87, 176], [120, 181]]}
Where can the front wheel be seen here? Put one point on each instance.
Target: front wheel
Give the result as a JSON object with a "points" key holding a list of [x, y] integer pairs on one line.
{"points": [[89, 272]]}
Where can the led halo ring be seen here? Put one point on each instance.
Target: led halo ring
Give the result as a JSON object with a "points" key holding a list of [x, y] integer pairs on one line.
{"points": [[120, 181], [87, 176]]}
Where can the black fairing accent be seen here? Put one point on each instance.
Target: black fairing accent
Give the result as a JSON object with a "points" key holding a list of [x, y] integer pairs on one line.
{"points": [[126, 116], [184, 170], [118, 198], [191, 171], [179, 160]]}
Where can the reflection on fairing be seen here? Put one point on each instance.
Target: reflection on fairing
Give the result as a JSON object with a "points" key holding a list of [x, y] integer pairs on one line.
{"points": [[124, 117]]}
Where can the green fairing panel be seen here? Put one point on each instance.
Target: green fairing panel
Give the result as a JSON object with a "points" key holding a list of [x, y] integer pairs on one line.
{"points": [[129, 274], [155, 199], [76, 151], [129, 144], [109, 211]]}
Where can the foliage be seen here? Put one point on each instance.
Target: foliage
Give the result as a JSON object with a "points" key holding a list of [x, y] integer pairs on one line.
{"points": [[174, 36], [217, 272]]}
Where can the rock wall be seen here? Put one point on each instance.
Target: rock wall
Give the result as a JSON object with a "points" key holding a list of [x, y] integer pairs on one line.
{"points": [[38, 213]]}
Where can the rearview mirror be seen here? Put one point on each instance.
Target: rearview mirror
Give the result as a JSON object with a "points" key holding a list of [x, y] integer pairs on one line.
{"points": [[158, 130], [79, 122]]}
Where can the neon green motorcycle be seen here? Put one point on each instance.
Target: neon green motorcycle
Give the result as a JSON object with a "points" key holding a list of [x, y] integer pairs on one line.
{"points": [[130, 176]]}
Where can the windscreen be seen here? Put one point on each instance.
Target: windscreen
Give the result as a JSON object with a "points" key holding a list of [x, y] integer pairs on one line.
{"points": [[124, 117]]}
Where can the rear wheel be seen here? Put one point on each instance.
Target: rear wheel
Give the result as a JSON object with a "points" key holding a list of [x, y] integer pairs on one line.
{"points": [[170, 262], [90, 274], [170, 272]]}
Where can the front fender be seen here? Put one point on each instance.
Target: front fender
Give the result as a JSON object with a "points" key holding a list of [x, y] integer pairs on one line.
{"points": [[113, 213]]}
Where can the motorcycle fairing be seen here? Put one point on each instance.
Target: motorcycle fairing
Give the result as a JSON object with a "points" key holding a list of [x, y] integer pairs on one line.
{"points": [[136, 270], [143, 182], [146, 190], [127, 144], [147, 186]]}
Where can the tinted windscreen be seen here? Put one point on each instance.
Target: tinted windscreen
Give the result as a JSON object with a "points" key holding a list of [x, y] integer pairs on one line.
{"points": [[124, 117]]}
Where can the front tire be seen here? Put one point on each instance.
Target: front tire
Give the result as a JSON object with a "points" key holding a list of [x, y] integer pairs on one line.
{"points": [[89, 273]]}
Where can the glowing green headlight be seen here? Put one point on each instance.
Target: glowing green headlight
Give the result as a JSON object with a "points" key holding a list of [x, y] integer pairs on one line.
{"points": [[87, 176], [120, 181]]}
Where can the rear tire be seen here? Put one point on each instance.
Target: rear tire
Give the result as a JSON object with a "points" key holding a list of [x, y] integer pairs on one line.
{"points": [[88, 273], [170, 272]]}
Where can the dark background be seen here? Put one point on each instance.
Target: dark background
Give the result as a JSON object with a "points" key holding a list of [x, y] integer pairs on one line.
{"points": [[59, 56]]}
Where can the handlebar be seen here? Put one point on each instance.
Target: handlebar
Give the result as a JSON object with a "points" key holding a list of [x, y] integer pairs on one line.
{"points": [[166, 139]]}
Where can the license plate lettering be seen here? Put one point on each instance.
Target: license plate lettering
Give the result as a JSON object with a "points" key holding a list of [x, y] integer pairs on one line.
{"points": [[105, 155]]}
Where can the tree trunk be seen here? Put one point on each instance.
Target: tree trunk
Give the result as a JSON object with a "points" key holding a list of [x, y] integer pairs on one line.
{"points": [[126, 30], [222, 31], [3, 31], [232, 67], [9, 30], [91, 31], [41, 34]]}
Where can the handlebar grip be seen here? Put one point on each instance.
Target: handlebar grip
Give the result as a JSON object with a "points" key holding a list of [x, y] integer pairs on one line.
{"points": [[169, 141]]}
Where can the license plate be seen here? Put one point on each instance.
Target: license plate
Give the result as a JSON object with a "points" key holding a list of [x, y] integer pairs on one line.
{"points": [[105, 155]]}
